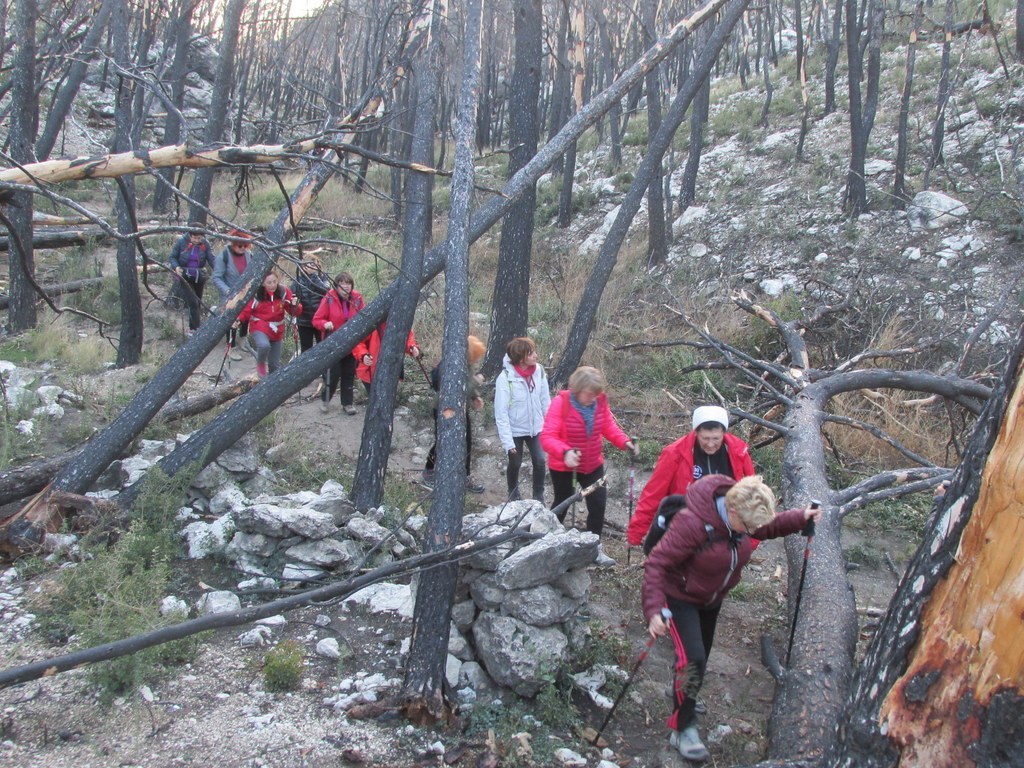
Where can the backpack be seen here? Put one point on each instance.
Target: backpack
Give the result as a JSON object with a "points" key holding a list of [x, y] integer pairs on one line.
{"points": [[669, 507]]}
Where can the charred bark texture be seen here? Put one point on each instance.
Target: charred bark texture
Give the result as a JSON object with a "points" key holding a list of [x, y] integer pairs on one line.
{"points": [[941, 683]]}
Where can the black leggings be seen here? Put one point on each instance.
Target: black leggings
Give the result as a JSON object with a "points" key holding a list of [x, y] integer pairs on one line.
{"points": [[432, 456], [308, 336], [692, 631], [515, 462], [343, 374], [596, 501], [193, 292]]}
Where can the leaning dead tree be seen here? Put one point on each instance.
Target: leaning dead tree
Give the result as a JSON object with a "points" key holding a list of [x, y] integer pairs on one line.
{"points": [[798, 392]]}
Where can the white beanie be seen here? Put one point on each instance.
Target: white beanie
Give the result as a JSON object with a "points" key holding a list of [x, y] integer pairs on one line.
{"points": [[713, 413]]}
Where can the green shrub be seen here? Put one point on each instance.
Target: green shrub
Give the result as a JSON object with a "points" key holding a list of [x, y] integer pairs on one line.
{"points": [[283, 666], [116, 594]]}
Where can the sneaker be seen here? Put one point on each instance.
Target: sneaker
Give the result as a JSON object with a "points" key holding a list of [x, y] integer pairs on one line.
{"points": [[687, 742], [235, 354], [350, 410], [325, 406], [473, 486], [427, 478], [602, 560]]}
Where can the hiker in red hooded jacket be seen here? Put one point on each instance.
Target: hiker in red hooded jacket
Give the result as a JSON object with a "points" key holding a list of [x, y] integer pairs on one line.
{"points": [[708, 449], [338, 306], [577, 423], [367, 353], [692, 569], [265, 316]]}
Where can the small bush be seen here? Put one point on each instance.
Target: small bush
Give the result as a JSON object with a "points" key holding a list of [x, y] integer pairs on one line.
{"points": [[283, 667], [116, 594]]}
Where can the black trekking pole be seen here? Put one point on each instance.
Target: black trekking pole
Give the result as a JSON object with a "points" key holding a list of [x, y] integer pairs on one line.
{"points": [[424, 369], [808, 532], [666, 614], [220, 371]]}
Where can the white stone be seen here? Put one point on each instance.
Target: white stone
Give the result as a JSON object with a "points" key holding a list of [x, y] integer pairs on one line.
{"points": [[54, 411], [301, 572], [698, 250], [821, 258], [912, 254], [934, 210], [565, 756], [392, 598], [48, 395], [875, 167], [220, 601], [205, 539], [26, 427], [255, 637], [452, 667], [272, 621], [173, 606], [328, 648]]}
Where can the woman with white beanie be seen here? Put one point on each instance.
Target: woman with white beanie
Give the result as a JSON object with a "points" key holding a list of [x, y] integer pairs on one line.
{"points": [[708, 450]]}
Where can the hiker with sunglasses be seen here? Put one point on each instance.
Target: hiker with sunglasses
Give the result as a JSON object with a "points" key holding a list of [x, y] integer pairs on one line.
{"points": [[691, 570]]}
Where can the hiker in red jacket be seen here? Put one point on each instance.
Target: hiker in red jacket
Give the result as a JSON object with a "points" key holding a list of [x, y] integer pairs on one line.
{"points": [[367, 353], [337, 307], [577, 423], [692, 569], [265, 315], [708, 449]]}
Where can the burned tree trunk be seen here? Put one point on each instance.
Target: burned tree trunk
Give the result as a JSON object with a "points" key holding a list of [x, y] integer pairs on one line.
{"points": [[941, 683], [423, 690]]}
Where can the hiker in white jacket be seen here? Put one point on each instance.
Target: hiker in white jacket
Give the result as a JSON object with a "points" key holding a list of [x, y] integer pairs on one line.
{"points": [[521, 399]]}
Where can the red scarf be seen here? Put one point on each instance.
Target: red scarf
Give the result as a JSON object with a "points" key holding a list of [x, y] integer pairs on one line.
{"points": [[527, 374]]}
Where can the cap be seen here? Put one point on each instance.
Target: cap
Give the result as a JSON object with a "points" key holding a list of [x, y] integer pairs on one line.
{"points": [[713, 413]]}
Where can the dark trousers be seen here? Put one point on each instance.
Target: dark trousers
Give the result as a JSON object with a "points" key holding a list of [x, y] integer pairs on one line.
{"points": [[692, 631], [192, 290], [341, 375], [562, 483], [308, 336], [515, 462], [432, 456]]}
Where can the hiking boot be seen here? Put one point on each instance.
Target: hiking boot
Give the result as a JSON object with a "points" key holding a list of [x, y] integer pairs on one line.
{"points": [[687, 742], [427, 478], [473, 486], [602, 560], [235, 354], [350, 410]]}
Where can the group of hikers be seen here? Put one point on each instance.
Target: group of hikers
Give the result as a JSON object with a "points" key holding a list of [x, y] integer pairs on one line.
{"points": [[318, 304], [699, 517]]}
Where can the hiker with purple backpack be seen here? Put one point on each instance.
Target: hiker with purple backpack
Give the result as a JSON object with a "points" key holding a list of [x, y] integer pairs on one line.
{"points": [[191, 262]]}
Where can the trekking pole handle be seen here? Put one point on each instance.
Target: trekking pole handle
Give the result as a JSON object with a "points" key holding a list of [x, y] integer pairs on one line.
{"points": [[666, 614], [808, 530]]}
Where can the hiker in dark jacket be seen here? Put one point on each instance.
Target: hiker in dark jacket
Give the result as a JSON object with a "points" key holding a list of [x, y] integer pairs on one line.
{"points": [[338, 306], [192, 262], [692, 569], [310, 285]]}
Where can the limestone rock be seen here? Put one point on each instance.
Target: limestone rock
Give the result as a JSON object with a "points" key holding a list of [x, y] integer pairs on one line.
{"points": [[220, 601], [327, 553], [934, 210], [280, 522], [517, 655], [540, 606], [546, 559]]}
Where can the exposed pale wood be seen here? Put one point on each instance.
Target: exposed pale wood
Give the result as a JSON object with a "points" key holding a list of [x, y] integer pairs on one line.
{"points": [[971, 644]]}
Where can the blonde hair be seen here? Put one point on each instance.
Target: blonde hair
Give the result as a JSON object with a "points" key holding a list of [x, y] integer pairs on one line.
{"points": [[476, 350], [752, 500], [587, 379]]}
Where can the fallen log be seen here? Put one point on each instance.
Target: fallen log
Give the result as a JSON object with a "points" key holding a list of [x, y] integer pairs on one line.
{"points": [[61, 289], [61, 238], [22, 481], [50, 513]]}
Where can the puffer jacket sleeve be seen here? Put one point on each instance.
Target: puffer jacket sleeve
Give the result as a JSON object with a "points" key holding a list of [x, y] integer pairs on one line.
{"points": [[502, 402], [554, 427], [784, 524], [323, 313], [246, 312], [220, 274], [176, 249], [612, 432], [545, 391]]}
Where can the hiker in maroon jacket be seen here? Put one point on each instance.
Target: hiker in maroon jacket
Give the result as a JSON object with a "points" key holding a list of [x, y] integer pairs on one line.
{"points": [[692, 569]]}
